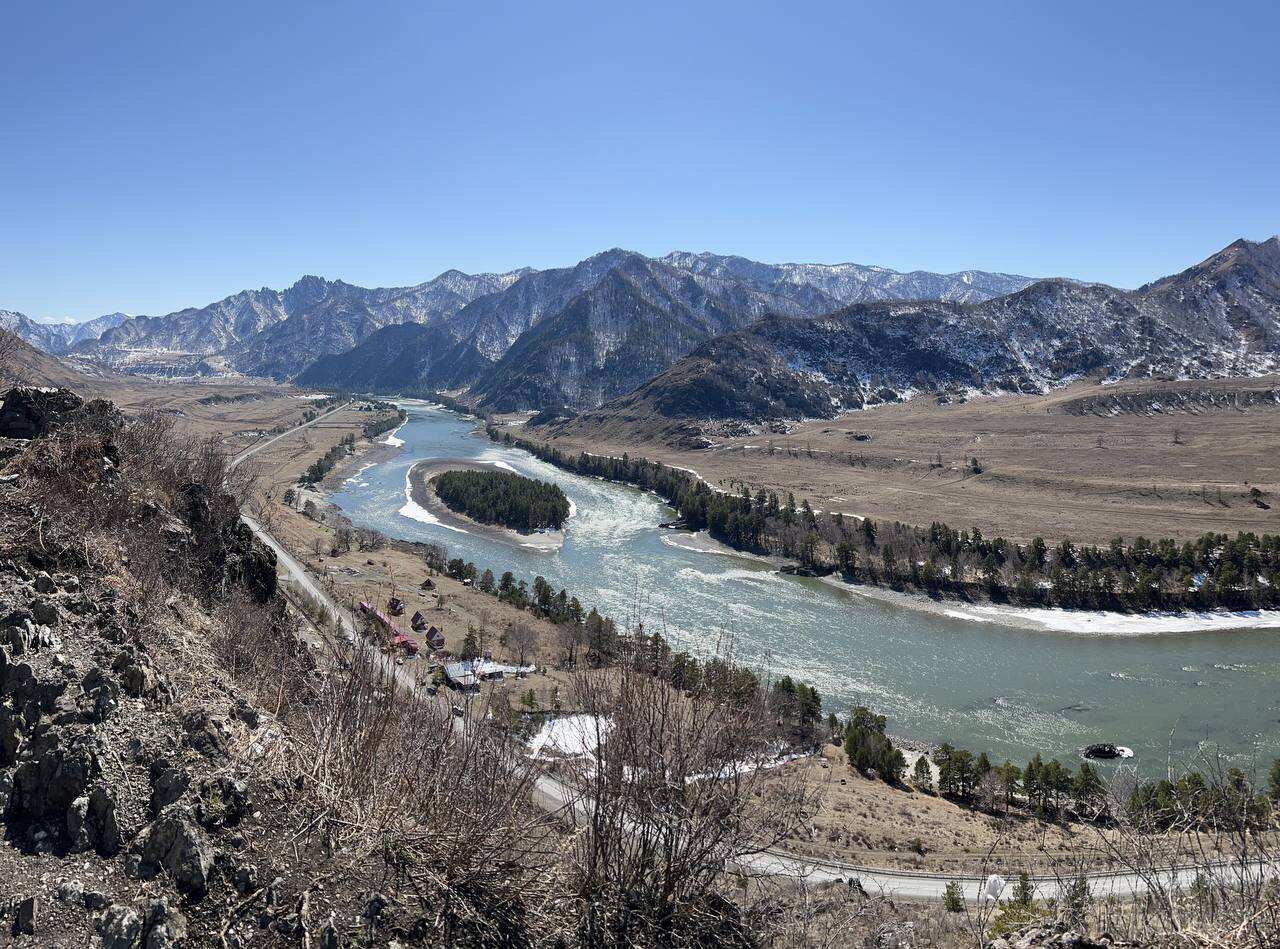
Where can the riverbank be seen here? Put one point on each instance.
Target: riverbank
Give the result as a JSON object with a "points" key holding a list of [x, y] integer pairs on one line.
{"points": [[1052, 619], [1080, 622], [422, 503], [1055, 620]]}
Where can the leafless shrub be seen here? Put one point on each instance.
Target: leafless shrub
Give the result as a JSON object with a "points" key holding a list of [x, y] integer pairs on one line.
{"points": [[259, 646], [672, 794], [522, 639], [1208, 871], [442, 803]]}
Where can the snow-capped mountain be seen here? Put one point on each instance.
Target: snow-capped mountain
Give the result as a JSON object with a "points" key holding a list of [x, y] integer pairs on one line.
{"points": [[853, 283], [279, 332], [58, 337], [1218, 318], [601, 328], [672, 305]]}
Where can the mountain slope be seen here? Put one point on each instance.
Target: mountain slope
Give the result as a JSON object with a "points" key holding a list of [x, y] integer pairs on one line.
{"points": [[853, 283], [1219, 318], [278, 333], [638, 319], [32, 366], [399, 358], [687, 298], [58, 338]]}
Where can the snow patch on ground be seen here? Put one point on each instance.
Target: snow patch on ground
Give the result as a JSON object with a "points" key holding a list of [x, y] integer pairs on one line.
{"points": [[415, 511], [573, 735], [1106, 623], [391, 438]]}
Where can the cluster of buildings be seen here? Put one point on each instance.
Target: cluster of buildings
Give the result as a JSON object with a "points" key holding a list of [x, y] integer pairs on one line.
{"points": [[463, 674]]}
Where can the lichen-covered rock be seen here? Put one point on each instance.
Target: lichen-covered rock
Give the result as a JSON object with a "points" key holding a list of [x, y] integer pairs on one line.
{"points": [[165, 926], [121, 928], [102, 692], [221, 801], [13, 733], [58, 768], [135, 672], [207, 734]]}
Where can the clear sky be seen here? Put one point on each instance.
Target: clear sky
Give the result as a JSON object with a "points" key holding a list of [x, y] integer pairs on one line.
{"points": [[159, 155]]}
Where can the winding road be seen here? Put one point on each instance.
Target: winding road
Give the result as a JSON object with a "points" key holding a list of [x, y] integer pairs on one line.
{"points": [[555, 797]]}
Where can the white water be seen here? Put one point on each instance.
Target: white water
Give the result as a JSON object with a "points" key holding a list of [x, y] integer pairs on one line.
{"points": [[985, 686]]}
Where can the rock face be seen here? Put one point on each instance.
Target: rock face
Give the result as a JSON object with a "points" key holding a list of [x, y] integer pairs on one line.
{"points": [[176, 845], [33, 412]]}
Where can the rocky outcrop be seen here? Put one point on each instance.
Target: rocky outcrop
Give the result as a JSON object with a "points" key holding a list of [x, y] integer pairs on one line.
{"points": [[175, 844], [33, 411]]}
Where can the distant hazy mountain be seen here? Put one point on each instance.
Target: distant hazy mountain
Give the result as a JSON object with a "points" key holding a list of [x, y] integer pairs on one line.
{"points": [[58, 338], [853, 283], [279, 332], [1218, 318]]}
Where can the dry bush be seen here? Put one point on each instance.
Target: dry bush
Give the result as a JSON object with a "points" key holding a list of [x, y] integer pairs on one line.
{"points": [[1210, 871], [441, 803], [671, 796]]}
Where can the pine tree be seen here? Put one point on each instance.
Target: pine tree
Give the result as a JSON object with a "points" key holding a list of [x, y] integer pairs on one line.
{"points": [[470, 645], [1024, 892], [952, 898], [922, 775]]}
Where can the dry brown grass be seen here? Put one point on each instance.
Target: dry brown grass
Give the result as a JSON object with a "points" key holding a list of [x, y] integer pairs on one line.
{"points": [[1045, 472]]}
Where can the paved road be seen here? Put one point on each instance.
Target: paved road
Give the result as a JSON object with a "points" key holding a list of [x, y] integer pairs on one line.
{"points": [[555, 797], [254, 449]]}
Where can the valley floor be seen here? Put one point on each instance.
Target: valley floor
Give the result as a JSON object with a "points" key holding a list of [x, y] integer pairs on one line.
{"points": [[1136, 463]]}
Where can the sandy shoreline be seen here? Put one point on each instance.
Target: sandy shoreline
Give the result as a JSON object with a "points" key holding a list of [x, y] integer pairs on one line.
{"points": [[424, 499]]}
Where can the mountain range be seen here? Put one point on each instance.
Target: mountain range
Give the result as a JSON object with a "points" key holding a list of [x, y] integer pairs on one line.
{"points": [[1218, 318], [524, 339], [59, 338], [700, 336]]}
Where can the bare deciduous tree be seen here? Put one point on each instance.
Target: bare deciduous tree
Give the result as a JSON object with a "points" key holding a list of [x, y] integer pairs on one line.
{"points": [[672, 794], [522, 639], [9, 345]]}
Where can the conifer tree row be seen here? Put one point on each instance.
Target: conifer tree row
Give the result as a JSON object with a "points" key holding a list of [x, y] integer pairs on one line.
{"points": [[1214, 571]]}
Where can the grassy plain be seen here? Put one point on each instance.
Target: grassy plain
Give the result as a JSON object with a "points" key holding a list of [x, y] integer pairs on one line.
{"points": [[1176, 472]]}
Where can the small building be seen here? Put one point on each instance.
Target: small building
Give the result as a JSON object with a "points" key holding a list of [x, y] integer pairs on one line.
{"points": [[418, 622], [469, 673], [407, 643], [395, 606]]}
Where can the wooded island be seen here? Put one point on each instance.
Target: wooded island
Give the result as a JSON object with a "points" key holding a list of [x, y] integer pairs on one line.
{"points": [[500, 497]]}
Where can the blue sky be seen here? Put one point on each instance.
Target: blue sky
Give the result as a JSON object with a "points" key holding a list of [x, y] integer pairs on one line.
{"points": [[161, 155]]}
